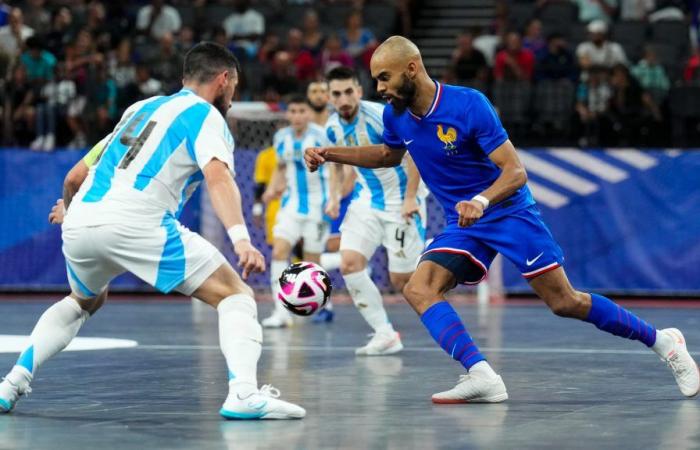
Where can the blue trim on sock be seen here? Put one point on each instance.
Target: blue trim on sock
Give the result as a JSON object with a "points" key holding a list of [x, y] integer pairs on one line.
{"points": [[26, 359], [608, 316], [447, 329]]}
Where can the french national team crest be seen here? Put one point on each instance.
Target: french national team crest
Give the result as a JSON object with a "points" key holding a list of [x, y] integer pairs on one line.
{"points": [[448, 138]]}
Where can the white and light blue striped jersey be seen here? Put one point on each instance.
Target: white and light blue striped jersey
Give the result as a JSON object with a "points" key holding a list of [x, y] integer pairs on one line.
{"points": [[307, 192], [382, 189], [152, 162]]}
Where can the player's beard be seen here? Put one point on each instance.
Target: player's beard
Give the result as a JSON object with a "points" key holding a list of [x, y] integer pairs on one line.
{"points": [[405, 95], [318, 108], [221, 104], [349, 116]]}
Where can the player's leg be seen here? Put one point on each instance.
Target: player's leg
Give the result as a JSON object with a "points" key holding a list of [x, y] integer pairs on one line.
{"points": [[330, 259], [60, 323], [315, 237], [554, 288], [437, 273]]}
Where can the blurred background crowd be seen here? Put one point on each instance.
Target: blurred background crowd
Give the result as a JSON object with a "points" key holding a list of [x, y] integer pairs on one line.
{"points": [[626, 74]]}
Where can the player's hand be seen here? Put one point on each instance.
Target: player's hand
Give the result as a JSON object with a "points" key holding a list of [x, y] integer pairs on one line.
{"points": [[249, 258], [469, 212], [315, 157], [268, 196], [56, 214], [332, 209], [409, 208]]}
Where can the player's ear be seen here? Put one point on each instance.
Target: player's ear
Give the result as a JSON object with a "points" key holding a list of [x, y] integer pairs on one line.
{"points": [[412, 70]]}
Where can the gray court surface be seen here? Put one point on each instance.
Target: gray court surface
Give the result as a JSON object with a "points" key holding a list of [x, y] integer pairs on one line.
{"points": [[570, 385]]}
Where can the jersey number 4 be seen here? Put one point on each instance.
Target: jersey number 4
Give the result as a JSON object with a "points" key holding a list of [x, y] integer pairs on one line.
{"points": [[135, 143]]}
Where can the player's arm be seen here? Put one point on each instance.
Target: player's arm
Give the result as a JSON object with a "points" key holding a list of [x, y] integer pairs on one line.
{"points": [[277, 185], [368, 156], [410, 202], [226, 200], [335, 188], [512, 178]]}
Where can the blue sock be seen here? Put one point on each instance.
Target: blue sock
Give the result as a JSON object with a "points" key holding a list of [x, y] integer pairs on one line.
{"points": [[614, 319], [447, 329]]}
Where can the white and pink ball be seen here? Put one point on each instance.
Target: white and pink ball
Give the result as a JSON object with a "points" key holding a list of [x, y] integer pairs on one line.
{"points": [[304, 288]]}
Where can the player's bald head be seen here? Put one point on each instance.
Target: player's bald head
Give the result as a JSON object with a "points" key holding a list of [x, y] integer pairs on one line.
{"points": [[397, 66], [396, 52]]}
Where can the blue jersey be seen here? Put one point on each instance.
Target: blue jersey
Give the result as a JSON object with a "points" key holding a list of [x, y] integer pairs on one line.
{"points": [[451, 145]]}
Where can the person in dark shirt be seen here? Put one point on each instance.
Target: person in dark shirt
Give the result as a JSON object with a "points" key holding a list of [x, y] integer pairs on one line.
{"points": [[556, 61], [467, 63]]}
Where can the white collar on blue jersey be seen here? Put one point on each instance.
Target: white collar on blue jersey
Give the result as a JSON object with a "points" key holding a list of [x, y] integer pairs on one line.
{"points": [[433, 105]]}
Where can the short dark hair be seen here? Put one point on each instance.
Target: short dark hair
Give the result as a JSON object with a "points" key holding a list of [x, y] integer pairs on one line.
{"points": [[342, 73], [206, 60], [296, 98]]}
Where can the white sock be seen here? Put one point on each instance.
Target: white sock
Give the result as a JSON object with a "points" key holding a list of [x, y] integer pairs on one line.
{"points": [[52, 333], [330, 261], [663, 344], [276, 269], [368, 300], [240, 338], [483, 368]]}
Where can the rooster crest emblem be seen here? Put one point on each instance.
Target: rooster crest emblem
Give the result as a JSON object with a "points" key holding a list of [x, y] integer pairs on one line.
{"points": [[447, 137]]}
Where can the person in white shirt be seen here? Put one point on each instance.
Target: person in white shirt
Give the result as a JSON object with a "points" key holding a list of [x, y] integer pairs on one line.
{"points": [[13, 35], [245, 27], [157, 19], [598, 50]]}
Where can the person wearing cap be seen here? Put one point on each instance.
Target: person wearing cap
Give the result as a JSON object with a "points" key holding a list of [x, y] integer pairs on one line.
{"points": [[598, 50]]}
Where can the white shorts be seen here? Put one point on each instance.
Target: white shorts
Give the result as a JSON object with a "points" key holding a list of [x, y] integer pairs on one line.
{"points": [[292, 227], [169, 257], [364, 230]]}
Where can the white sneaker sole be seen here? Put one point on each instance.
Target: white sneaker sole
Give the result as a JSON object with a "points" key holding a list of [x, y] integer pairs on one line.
{"points": [[397, 347], [498, 398]]}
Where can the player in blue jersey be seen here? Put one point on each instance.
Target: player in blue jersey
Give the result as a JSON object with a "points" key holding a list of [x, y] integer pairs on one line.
{"points": [[469, 164]]}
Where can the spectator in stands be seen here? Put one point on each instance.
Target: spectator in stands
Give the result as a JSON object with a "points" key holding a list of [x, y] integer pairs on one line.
{"points": [[122, 69], [355, 38], [21, 100], [81, 56], [245, 27], [5, 10], [38, 62], [487, 43], [636, 10], [166, 64], [589, 10], [514, 62], [271, 44], [97, 25], [533, 39], [185, 39], [102, 101], [467, 63], [36, 15], [691, 72], [55, 99], [147, 85], [626, 105], [13, 35], [598, 50], [303, 61], [650, 74], [592, 98], [61, 32], [158, 18], [313, 38], [333, 55], [556, 61], [280, 80]]}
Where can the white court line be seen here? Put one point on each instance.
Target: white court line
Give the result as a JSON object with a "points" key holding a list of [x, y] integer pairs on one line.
{"points": [[547, 196], [556, 174], [586, 162], [309, 348], [634, 158]]}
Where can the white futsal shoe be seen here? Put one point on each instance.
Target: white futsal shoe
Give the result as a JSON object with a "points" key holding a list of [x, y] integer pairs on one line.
{"points": [[474, 387], [280, 318], [261, 404], [683, 366], [383, 343], [11, 391]]}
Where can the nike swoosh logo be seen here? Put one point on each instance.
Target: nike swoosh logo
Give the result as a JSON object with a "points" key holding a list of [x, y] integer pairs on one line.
{"points": [[408, 142], [259, 406], [530, 262]]}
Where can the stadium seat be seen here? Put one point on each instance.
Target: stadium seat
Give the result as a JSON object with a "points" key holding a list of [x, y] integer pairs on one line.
{"points": [[334, 15], [520, 13], [380, 17], [512, 99], [671, 33], [684, 104], [631, 35], [553, 102], [559, 12]]}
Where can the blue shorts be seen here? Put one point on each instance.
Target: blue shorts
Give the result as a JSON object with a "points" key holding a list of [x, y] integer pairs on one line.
{"points": [[521, 237], [335, 223]]}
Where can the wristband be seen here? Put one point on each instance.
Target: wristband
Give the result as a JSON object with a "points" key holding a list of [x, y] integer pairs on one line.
{"points": [[238, 233], [483, 200]]}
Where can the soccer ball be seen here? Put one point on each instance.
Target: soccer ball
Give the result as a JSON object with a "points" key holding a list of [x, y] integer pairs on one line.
{"points": [[304, 288]]}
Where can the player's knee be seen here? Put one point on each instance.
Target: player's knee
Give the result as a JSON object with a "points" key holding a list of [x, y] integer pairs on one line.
{"points": [[280, 253], [350, 265], [417, 292]]}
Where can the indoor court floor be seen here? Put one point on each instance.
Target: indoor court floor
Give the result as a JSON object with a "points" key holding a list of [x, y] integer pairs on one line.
{"points": [[570, 385]]}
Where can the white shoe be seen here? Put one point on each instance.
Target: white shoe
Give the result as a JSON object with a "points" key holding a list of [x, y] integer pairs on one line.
{"points": [[37, 144], [11, 392], [683, 366], [382, 344], [278, 319], [261, 404], [474, 388], [49, 143]]}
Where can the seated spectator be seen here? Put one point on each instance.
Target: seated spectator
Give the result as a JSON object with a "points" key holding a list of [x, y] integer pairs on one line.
{"points": [[356, 39], [147, 85], [270, 45], [590, 10], [487, 44], [21, 101], [280, 81], [61, 32], [98, 26], [333, 55], [156, 19], [514, 62], [313, 38], [55, 100], [467, 63], [303, 61], [598, 50], [592, 98], [533, 39], [121, 67], [185, 39], [245, 27], [102, 101], [691, 72], [36, 15], [166, 64], [38, 62], [629, 107], [556, 61], [649, 73], [636, 10], [13, 35]]}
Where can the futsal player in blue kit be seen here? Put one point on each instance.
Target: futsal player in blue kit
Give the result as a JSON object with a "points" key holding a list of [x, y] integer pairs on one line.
{"points": [[465, 157]]}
